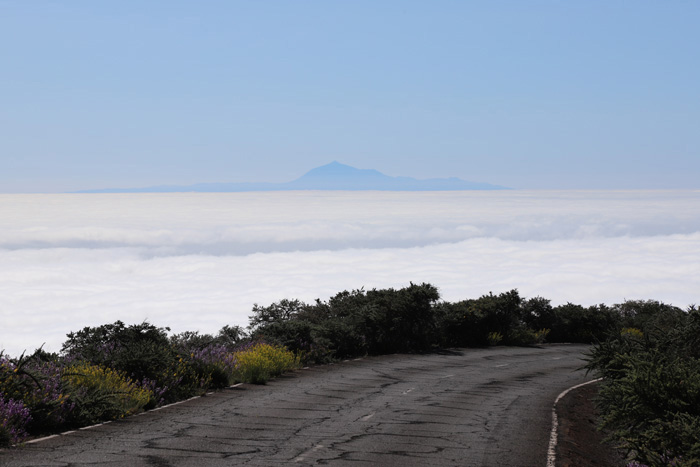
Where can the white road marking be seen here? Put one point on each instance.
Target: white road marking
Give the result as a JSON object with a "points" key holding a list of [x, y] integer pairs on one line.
{"points": [[552, 451], [41, 439], [91, 426], [502, 365]]}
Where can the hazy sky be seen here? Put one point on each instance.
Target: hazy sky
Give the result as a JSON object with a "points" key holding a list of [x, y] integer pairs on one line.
{"points": [[527, 94]]}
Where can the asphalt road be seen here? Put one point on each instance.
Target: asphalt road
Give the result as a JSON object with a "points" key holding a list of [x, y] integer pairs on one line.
{"points": [[470, 407]]}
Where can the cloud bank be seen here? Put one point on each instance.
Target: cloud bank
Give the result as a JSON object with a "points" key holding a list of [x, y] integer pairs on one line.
{"points": [[200, 261]]}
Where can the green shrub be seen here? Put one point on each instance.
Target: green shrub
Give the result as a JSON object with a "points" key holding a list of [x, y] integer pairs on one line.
{"points": [[387, 320], [575, 323], [144, 353], [140, 350], [460, 325], [650, 395], [521, 335], [541, 335], [36, 382], [495, 338], [352, 323], [537, 313]]}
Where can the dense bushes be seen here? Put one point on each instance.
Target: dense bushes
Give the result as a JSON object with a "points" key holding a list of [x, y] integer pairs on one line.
{"points": [[141, 351], [413, 319], [650, 395], [99, 393], [114, 370], [352, 323], [482, 321]]}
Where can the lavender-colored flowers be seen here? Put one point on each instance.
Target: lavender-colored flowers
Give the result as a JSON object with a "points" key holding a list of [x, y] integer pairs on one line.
{"points": [[14, 418]]}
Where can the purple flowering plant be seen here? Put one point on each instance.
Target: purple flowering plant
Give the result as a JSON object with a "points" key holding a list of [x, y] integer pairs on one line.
{"points": [[36, 382], [14, 418]]}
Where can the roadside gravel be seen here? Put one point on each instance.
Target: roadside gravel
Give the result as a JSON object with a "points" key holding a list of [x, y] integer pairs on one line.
{"points": [[581, 444]]}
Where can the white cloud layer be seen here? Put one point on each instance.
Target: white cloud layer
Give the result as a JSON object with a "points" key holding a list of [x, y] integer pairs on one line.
{"points": [[200, 261]]}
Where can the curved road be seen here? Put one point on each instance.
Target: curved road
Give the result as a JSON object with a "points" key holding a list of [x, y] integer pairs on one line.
{"points": [[471, 407]]}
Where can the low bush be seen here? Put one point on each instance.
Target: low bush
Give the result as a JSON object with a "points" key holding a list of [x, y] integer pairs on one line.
{"points": [[14, 419], [260, 362], [36, 382], [495, 338], [102, 393], [585, 325], [45, 392], [214, 365], [650, 394], [352, 323], [144, 353]]}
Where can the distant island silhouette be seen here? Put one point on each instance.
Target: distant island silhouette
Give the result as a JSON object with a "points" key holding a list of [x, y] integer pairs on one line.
{"points": [[333, 176]]}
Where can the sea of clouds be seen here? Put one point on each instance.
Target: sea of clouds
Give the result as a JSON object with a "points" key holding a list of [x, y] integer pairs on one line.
{"points": [[195, 261]]}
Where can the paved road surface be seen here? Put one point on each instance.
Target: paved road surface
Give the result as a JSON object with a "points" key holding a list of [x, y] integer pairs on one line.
{"points": [[472, 407]]}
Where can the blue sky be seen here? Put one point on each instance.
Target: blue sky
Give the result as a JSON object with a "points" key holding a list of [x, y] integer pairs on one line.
{"points": [[527, 94]]}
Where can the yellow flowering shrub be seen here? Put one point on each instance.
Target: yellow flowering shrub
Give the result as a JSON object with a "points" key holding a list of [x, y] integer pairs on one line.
{"points": [[541, 335], [261, 362], [103, 393], [632, 332], [494, 338], [281, 359]]}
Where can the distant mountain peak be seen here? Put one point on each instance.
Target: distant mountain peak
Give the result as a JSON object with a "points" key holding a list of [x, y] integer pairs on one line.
{"points": [[333, 176], [337, 170]]}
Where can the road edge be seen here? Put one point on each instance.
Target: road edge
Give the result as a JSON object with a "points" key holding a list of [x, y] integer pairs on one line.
{"points": [[553, 436]]}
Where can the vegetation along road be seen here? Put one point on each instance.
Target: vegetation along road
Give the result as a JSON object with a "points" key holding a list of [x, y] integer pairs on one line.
{"points": [[471, 407]]}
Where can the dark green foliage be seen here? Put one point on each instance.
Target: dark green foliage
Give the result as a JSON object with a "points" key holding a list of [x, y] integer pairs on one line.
{"points": [[191, 340], [140, 350], [382, 321], [500, 313], [574, 323], [537, 313], [650, 396], [295, 334], [231, 336], [284, 310], [353, 323], [470, 322], [388, 320], [651, 317], [228, 337], [460, 325]]}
